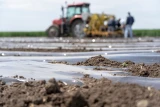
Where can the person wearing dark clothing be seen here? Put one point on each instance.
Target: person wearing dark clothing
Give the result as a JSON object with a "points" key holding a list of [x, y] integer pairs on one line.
{"points": [[128, 29], [111, 24]]}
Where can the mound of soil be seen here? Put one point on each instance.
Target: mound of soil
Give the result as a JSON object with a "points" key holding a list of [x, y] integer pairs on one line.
{"points": [[102, 61], [94, 93], [136, 69], [145, 70]]}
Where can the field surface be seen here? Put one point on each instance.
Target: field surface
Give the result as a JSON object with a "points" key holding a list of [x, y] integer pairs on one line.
{"points": [[87, 72]]}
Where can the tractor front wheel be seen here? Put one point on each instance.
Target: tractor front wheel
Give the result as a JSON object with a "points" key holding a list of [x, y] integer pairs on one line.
{"points": [[77, 29], [53, 31]]}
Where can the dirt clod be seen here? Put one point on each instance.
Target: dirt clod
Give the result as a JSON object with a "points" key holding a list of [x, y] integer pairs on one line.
{"points": [[22, 77], [86, 76], [2, 82], [85, 86], [51, 88], [42, 82], [142, 103]]}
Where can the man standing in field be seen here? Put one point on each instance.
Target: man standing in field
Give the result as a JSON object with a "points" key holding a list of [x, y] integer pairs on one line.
{"points": [[111, 24], [128, 27]]}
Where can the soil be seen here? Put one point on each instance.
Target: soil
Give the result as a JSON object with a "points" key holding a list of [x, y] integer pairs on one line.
{"points": [[94, 93], [102, 61], [58, 62], [158, 51], [145, 70], [136, 69], [47, 50], [22, 77], [102, 69]]}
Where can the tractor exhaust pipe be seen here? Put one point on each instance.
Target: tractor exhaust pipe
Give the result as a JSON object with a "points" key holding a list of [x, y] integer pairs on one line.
{"points": [[62, 19]]}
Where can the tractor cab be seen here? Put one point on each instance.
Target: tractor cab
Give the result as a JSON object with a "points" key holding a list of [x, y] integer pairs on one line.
{"points": [[72, 22], [77, 9]]}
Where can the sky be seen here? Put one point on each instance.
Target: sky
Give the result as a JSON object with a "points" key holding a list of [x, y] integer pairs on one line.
{"points": [[37, 15]]}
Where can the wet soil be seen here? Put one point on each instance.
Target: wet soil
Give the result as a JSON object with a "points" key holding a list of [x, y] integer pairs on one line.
{"points": [[136, 69], [94, 93]]}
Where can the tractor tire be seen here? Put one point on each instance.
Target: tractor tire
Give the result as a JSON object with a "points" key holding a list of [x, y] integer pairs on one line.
{"points": [[53, 31], [77, 29]]}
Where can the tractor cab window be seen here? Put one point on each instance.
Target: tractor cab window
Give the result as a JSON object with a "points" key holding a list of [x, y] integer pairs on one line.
{"points": [[77, 10], [70, 12], [85, 9]]}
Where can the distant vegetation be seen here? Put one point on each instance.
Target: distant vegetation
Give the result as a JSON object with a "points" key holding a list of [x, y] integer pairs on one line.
{"points": [[22, 34], [154, 32], [138, 33]]}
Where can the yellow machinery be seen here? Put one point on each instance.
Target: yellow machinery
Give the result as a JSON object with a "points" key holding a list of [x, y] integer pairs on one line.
{"points": [[97, 26]]}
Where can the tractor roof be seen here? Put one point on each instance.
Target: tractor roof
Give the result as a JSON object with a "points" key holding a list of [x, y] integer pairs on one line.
{"points": [[78, 4]]}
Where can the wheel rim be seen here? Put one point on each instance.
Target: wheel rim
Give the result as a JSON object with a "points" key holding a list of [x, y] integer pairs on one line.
{"points": [[78, 30], [53, 32]]}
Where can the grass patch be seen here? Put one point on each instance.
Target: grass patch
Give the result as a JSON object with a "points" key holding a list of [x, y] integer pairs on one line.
{"points": [[22, 34], [145, 32]]}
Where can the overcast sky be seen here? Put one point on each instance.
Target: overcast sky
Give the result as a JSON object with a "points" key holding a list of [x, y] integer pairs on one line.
{"points": [[37, 15]]}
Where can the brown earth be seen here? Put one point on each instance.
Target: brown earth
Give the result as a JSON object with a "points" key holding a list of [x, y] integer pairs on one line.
{"points": [[145, 70], [101, 69], [102, 61], [94, 93], [58, 62], [21, 77], [59, 49], [136, 69], [158, 51]]}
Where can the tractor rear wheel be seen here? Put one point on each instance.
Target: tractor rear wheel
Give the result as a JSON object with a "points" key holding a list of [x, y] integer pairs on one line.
{"points": [[77, 29], [53, 31]]}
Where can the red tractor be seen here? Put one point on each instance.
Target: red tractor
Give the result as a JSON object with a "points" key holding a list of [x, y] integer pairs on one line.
{"points": [[72, 23]]}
